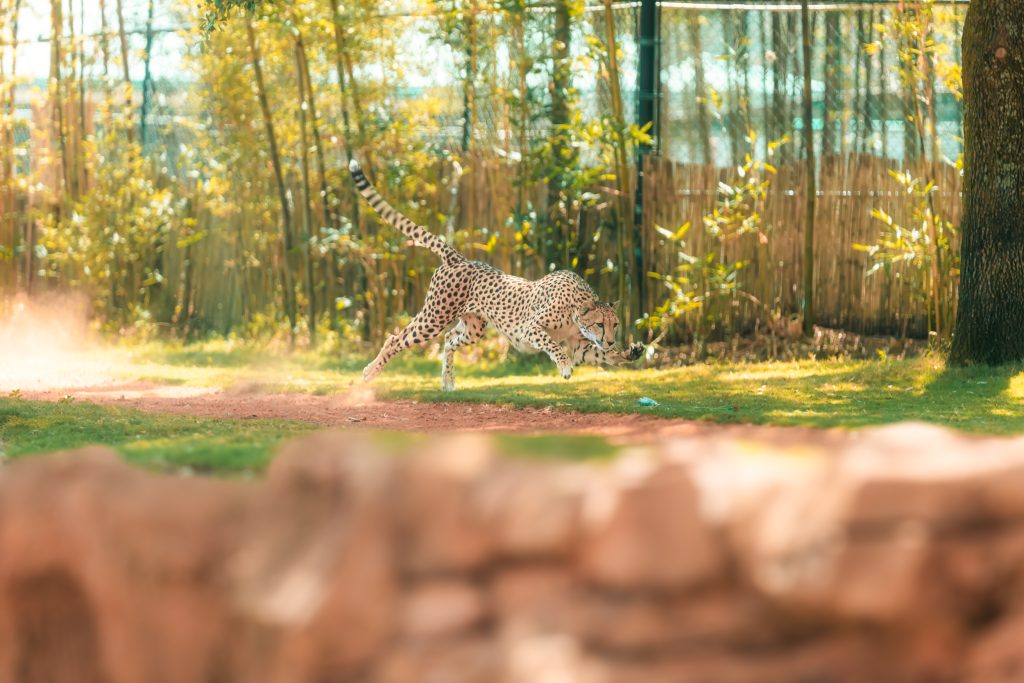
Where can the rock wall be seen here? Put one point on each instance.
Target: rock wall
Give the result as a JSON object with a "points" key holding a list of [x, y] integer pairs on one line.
{"points": [[897, 556]]}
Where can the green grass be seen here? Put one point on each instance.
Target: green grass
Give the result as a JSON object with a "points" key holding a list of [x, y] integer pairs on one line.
{"points": [[818, 394], [828, 393], [833, 393], [166, 442]]}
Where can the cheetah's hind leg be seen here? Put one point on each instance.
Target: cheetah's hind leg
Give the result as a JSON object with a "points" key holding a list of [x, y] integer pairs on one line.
{"points": [[420, 332], [469, 331]]}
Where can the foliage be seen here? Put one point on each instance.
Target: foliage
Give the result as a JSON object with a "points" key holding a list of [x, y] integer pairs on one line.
{"points": [[912, 248], [218, 11], [517, 145], [921, 32], [706, 287]]}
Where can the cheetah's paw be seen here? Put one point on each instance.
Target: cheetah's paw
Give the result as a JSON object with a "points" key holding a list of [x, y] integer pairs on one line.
{"points": [[369, 372], [634, 352]]}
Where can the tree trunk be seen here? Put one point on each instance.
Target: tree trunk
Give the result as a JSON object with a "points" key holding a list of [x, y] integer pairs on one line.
{"points": [[83, 170], [627, 309], [57, 94], [104, 44], [307, 198], [147, 81], [326, 196], [812, 188], [991, 310], [282, 194], [883, 95], [561, 78], [9, 150], [125, 70], [833, 82], [781, 123], [469, 88], [703, 114], [347, 86]]}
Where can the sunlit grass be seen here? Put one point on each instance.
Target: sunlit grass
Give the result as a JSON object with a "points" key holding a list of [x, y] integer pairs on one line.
{"points": [[834, 393], [830, 393]]}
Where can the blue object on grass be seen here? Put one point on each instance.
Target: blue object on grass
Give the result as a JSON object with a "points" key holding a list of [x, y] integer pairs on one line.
{"points": [[647, 402]]}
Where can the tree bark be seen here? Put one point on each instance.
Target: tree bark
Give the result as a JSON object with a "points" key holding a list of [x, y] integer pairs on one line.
{"points": [[307, 195], [991, 309]]}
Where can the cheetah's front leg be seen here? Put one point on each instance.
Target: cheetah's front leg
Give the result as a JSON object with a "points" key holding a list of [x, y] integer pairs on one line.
{"points": [[539, 339]]}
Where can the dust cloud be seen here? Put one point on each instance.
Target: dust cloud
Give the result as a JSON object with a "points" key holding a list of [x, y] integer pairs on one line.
{"points": [[47, 344]]}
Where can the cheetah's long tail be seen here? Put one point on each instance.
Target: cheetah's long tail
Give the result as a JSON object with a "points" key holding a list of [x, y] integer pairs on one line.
{"points": [[417, 233]]}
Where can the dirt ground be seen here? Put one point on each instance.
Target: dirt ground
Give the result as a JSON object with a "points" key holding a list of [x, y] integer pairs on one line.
{"points": [[360, 409]]}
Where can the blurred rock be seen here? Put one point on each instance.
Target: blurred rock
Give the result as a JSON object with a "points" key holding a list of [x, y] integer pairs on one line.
{"points": [[529, 599], [998, 655], [644, 529], [440, 498], [444, 607], [533, 511], [895, 557]]}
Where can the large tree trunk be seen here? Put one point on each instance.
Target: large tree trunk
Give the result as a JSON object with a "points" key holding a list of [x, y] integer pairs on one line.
{"points": [[990, 326]]}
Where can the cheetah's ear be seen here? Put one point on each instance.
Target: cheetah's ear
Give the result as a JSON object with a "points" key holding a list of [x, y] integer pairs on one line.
{"points": [[615, 304]]}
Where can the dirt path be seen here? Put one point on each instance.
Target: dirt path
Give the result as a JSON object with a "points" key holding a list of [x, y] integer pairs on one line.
{"points": [[361, 409]]}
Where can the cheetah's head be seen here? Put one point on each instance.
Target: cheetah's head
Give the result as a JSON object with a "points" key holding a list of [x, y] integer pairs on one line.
{"points": [[599, 324]]}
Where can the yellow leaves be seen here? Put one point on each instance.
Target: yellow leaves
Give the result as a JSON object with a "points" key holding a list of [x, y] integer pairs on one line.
{"points": [[490, 245], [673, 236], [880, 214]]}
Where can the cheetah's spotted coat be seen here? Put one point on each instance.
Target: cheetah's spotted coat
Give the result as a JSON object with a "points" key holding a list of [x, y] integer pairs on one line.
{"points": [[558, 314]]}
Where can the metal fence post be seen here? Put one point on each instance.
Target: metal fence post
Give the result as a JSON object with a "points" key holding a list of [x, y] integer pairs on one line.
{"points": [[648, 105]]}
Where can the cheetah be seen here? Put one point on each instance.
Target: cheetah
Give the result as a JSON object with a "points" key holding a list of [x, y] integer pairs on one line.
{"points": [[559, 314]]}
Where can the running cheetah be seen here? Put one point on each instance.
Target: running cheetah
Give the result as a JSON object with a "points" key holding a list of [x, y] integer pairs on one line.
{"points": [[558, 314]]}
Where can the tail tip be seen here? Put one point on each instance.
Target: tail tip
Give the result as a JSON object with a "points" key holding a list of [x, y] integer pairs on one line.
{"points": [[353, 166]]}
